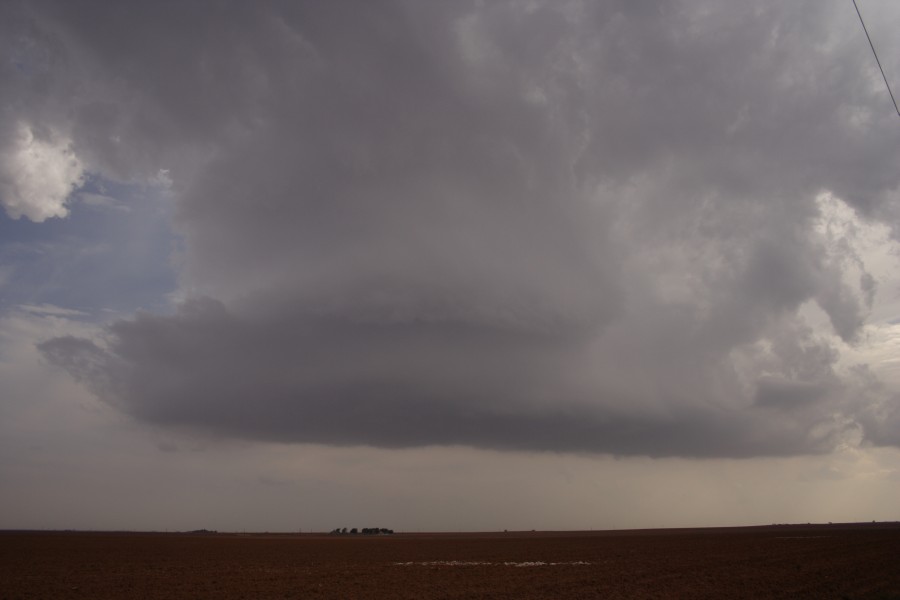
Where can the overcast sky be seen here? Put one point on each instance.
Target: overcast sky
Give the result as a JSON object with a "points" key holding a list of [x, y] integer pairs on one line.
{"points": [[448, 265]]}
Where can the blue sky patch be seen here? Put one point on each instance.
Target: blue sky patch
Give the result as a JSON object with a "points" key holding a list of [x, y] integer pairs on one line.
{"points": [[112, 253]]}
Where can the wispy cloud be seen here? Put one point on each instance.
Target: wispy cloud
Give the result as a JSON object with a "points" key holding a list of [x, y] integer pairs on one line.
{"points": [[50, 309]]}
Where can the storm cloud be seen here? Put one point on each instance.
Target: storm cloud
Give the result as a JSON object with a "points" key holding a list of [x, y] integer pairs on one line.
{"points": [[564, 226]]}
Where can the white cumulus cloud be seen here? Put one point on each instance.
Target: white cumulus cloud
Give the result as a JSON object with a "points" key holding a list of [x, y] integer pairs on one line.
{"points": [[38, 171]]}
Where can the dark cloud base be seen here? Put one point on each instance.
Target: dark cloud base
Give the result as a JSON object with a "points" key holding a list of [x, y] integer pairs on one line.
{"points": [[401, 385]]}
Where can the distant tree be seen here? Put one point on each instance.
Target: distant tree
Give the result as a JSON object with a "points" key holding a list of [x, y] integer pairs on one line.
{"points": [[353, 531], [344, 530]]}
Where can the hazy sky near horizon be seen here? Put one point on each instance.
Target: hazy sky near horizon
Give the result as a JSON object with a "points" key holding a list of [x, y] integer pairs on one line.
{"points": [[448, 265]]}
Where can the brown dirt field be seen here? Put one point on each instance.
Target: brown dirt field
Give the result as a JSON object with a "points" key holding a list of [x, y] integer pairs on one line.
{"points": [[830, 561]]}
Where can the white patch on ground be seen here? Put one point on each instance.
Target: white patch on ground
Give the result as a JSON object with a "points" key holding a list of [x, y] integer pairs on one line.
{"points": [[473, 563]]}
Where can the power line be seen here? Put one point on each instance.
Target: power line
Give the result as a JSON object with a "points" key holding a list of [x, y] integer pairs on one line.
{"points": [[894, 100]]}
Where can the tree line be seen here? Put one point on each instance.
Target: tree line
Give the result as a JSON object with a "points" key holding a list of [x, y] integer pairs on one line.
{"points": [[363, 531]]}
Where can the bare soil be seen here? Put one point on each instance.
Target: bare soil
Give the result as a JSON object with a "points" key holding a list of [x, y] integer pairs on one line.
{"points": [[824, 561]]}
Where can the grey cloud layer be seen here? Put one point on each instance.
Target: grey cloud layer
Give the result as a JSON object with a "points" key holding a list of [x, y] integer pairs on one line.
{"points": [[557, 226], [407, 384]]}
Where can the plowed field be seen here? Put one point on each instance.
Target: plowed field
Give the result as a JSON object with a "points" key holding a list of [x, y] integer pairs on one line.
{"points": [[829, 561]]}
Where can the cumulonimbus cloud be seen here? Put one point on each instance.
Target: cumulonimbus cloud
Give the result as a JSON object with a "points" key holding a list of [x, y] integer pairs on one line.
{"points": [[560, 226]]}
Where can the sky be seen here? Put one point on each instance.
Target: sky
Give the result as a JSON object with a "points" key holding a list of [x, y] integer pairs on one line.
{"points": [[441, 266]]}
